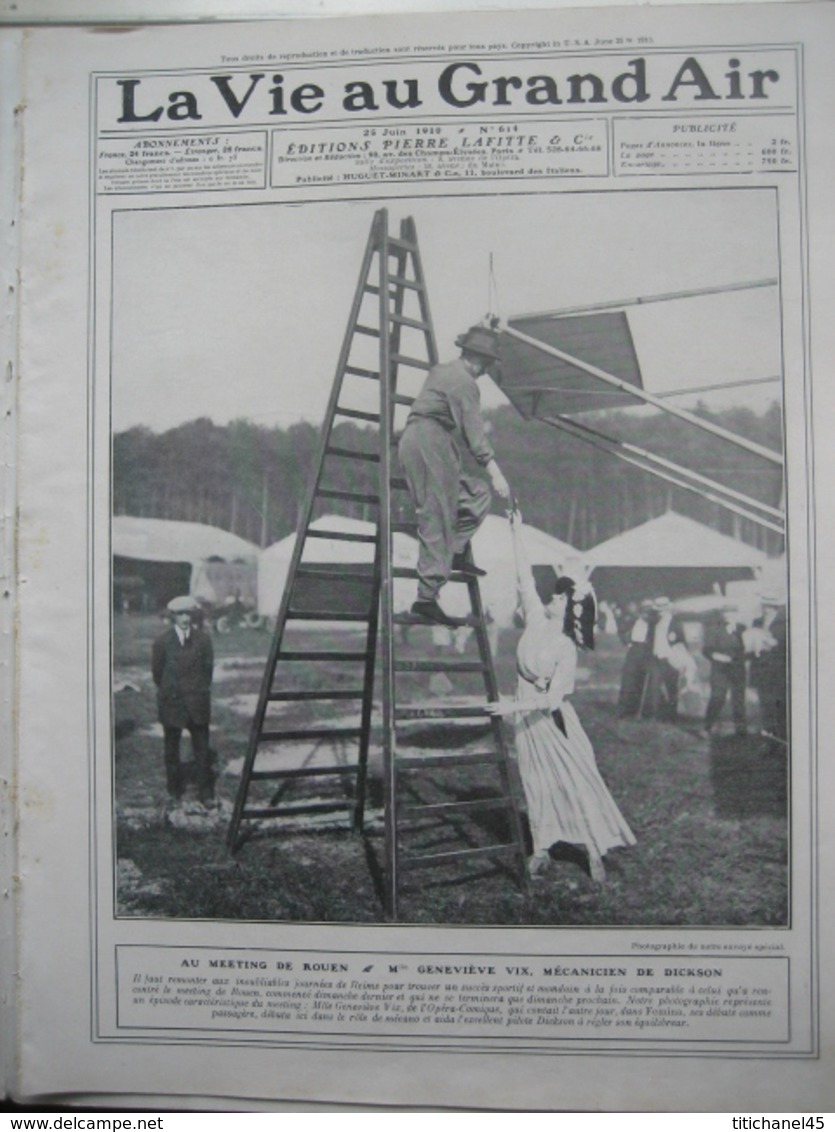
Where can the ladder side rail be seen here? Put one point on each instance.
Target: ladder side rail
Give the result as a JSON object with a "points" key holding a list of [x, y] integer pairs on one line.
{"points": [[301, 530], [393, 288], [410, 233], [395, 292], [379, 570], [387, 583], [397, 296], [368, 692], [401, 284], [492, 688]]}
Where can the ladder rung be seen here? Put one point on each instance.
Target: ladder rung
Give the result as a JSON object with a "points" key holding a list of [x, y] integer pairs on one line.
{"points": [[413, 363], [325, 615], [353, 496], [298, 697], [302, 808], [359, 415], [320, 571], [397, 483], [438, 665], [306, 657], [340, 536], [425, 809], [428, 859], [358, 371], [304, 772], [418, 711], [416, 619], [402, 281], [371, 331], [401, 245], [415, 323], [405, 528], [411, 572], [450, 761], [311, 733], [403, 399], [352, 454]]}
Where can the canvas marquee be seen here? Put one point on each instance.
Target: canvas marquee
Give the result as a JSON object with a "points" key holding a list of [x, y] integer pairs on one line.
{"points": [[671, 554], [156, 559]]}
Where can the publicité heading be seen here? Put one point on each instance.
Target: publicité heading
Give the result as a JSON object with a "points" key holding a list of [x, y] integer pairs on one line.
{"points": [[716, 80]]}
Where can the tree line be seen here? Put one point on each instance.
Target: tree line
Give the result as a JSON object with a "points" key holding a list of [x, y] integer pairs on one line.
{"points": [[252, 480]]}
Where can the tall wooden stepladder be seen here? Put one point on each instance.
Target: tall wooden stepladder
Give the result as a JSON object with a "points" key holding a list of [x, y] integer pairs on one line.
{"points": [[390, 310]]}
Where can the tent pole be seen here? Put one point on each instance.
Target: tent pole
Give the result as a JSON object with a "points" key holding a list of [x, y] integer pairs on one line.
{"points": [[647, 398], [680, 469], [643, 300], [601, 446]]}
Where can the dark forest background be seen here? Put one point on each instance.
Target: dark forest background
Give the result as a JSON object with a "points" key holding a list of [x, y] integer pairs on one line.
{"points": [[251, 479]]}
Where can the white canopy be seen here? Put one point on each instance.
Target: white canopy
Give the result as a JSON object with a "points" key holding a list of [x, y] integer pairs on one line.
{"points": [[675, 540], [169, 540]]}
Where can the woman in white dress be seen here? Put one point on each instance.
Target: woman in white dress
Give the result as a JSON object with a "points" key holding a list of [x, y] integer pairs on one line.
{"points": [[567, 799]]}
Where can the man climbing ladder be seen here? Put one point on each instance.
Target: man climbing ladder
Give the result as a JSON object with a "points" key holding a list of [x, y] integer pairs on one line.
{"points": [[450, 507]]}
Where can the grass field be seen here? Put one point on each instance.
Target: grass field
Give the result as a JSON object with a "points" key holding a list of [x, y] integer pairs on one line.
{"points": [[710, 818]]}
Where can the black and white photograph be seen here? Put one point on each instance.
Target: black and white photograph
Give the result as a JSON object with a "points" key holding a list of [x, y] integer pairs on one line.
{"points": [[416, 645], [516, 655]]}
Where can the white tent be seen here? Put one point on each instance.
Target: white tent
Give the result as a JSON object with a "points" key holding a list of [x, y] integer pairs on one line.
{"points": [[194, 545], [671, 555], [675, 540], [169, 540]]}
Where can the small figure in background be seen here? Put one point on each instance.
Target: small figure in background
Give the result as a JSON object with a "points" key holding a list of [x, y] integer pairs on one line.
{"points": [[724, 647], [636, 664], [661, 699], [182, 665], [608, 618], [767, 645]]}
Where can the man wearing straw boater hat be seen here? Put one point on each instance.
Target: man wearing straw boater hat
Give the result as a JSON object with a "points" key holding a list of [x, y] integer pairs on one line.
{"points": [[182, 664], [449, 506]]}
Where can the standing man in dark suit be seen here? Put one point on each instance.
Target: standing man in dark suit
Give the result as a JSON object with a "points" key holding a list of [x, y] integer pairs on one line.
{"points": [[662, 678], [634, 675], [769, 668], [725, 649], [182, 666]]}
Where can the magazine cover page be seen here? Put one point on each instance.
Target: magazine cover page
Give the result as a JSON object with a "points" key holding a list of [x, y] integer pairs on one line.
{"points": [[419, 501]]}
